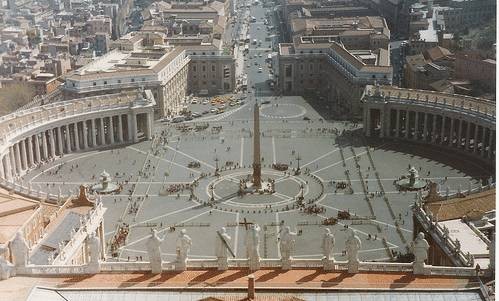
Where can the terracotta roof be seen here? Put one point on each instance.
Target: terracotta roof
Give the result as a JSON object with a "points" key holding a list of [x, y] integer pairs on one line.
{"points": [[458, 207], [437, 53]]}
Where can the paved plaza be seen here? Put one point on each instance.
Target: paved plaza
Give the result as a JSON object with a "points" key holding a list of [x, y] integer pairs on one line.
{"points": [[156, 178]]}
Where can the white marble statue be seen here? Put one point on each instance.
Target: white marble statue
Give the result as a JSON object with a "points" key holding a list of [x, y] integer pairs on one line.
{"points": [[286, 246], [93, 248], [352, 246], [253, 246], [7, 269], [419, 248], [20, 249], [222, 248], [184, 243], [154, 251], [327, 244]]}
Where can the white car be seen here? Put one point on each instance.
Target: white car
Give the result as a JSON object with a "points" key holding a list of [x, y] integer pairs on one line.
{"points": [[214, 110], [194, 101], [260, 70], [205, 102]]}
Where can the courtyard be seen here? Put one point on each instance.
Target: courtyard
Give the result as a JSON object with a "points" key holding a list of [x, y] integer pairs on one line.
{"points": [[188, 175]]}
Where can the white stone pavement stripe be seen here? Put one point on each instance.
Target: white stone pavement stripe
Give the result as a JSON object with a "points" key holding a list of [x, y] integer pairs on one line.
{"points": [[190, 157], [70, 160], [170, 254], [165, 229], [165, 160], [274, 158], [392, 179], [242, 152], [83, 183], [320, 157], [277, 233], [375, 221], [339, 162], [359, 231]]}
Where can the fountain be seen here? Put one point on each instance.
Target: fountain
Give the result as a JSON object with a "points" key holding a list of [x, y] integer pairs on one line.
{"points": [[412, 181], [104, 186]]}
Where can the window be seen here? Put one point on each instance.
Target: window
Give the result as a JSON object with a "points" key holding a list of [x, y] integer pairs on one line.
{"points": [[119, 81], [143, 79], [204, 68], [212, 68], [74, 85], [132, 80], [105, 82], [194, 68], [95, 84]]}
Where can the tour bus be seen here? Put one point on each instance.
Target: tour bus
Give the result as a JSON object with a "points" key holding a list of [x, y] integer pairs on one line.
{"points": [[269, 58], [253, 19]]}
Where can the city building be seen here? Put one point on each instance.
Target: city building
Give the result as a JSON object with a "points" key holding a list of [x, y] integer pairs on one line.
{"points": [[162, 69]]}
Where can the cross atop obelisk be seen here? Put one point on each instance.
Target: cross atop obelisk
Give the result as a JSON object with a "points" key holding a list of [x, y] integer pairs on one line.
{"points": [[257, 167]]}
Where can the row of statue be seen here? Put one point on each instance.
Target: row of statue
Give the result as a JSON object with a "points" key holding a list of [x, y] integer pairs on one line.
{"points": [[20, 250], [286, 246]]}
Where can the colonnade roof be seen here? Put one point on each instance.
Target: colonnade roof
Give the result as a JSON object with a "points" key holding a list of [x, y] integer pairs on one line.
{"points": [[455, 100], [21, 119]]}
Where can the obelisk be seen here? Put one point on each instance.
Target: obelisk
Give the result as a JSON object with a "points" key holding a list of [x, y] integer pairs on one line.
{"points": [[257, 167]]}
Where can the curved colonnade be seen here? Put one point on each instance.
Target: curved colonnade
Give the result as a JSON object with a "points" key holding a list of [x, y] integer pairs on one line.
{"points": [[458, 122], [28, 138]]}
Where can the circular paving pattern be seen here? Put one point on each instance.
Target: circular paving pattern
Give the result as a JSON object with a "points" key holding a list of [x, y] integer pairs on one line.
{"points": [[156, 180], [282, 111]]}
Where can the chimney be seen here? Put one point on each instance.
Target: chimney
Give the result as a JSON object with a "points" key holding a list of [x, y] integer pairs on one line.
{"points": [[251, 287]]}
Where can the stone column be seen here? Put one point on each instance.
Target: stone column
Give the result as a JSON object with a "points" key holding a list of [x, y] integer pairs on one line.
{"points": [[24, 157], [451, 132], [93, 133], [17, 158], [460, 133], [85, 134], [416, 127], [68, 139], [397, 124], [407, 130], [388, 123], [367, 122], [467, 142], [77, 137], [8, 168], [30, 151], [52, 143], [129, 127], [149, 126], [475, 139], [442, 132], [2, 169], [120, 129], [434, 129], [425, 127], [44, 146], [491, 140], [37, 149], [134, 128], [111, 129], [59, 141], [12, 161], [484, 132], [102, 133]]}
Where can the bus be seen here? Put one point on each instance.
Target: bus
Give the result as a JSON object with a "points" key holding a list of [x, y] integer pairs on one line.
{"points": [[246, 48], [248, 39]]}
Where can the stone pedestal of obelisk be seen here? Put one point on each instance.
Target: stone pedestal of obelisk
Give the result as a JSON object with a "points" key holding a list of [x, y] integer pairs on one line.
{"points": [[257, 166]]}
